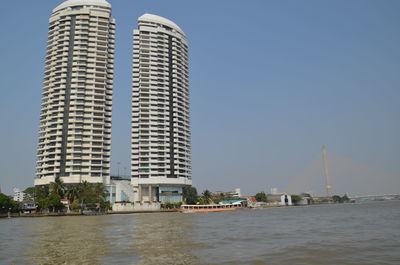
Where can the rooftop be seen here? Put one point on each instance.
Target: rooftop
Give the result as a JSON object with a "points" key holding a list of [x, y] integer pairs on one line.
{"points": [[160, 20], [71, 3]]}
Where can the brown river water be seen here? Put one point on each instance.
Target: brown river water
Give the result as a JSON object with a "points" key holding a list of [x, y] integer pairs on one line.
{"points": [[367, 233]]}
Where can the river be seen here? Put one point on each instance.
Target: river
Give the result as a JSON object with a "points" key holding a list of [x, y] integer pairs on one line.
{"points": [[367, 233]]}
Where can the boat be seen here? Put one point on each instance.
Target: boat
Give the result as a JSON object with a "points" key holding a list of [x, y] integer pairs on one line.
{"points": [[212, 208]]}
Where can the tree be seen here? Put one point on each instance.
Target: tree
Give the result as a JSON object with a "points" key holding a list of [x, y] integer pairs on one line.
{"points": [[72, 193], [29, 193], [84, 192], [100, 191], [54, 201], [57, 187], [105, 205], [296, 198], [261, 197], [190, 195], [75, 205], [92, 194], [38, 194], [7, 204], [80, 196], [345, 198], [41, 194], [337, 199], [207, 196]]}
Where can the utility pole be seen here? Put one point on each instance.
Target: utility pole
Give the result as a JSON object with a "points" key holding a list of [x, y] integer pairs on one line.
{"points": [[326, 171]]}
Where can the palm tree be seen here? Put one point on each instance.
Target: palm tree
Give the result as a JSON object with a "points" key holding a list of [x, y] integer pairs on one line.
{"points": [[57, 187], [83, 189], [100, 191], [207, 196], [72, 193]]}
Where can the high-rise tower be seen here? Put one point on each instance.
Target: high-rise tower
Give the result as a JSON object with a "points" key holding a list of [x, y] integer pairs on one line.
{"points": [[75, 119], [161, 163]]}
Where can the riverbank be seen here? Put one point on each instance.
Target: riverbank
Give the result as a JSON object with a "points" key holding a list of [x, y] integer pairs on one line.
{"points": [[15, 215]]}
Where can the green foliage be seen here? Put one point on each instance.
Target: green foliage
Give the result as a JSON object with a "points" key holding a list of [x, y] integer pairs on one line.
{"points": [[206, 197], [105, 206], [72, 193], [82, 194], [8, 204], [75, 205], [38, 194], [338, 199], [58, 187], [30, 193], [54, 202], [91, 193], [261, 197], [296, 198], [190, 195], [171, 205]]}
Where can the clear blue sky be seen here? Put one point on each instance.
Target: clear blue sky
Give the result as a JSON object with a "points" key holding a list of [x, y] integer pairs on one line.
{"points": [[270, 82]]}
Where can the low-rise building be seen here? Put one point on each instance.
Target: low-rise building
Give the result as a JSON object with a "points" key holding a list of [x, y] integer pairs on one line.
{"points": [[28, 207], [281, 199], [124, 196]]}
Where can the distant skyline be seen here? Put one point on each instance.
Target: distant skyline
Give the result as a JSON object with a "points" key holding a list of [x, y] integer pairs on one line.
{"points": [[270, 82]]}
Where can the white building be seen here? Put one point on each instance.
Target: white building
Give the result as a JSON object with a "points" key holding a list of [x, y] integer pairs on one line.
{"points": [[75, 119], [18, 195], [238, 194], [279, 199], [122, 196], [161, 147]]}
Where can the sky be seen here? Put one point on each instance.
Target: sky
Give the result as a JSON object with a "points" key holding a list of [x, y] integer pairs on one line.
{"points": [[270, 82]]}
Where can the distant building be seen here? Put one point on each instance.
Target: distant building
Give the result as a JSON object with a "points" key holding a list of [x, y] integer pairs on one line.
{"points": [[28, 207], [237, 193], [18, 195], [234, 202], [233, 194], [282, 199]]}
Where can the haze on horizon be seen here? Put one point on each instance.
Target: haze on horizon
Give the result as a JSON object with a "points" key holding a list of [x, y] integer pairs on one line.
{"points": [[270, 82]]}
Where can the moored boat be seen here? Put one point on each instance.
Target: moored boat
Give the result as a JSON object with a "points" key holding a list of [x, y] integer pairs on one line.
{"points": [[210, 208]]}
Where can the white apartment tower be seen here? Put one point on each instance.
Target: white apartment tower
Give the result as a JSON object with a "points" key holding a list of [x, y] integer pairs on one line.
{"points": [[161, 148], [75, 119]]}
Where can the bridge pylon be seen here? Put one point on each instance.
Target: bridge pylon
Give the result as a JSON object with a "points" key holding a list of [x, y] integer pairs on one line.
{"points": [[326, 171]]}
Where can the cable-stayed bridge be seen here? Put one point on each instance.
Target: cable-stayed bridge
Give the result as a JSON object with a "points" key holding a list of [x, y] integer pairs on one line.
{"points": [[375, 196], [346, 176]]}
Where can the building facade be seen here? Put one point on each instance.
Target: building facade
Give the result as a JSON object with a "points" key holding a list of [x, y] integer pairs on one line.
{"points": [[75, 118], [161, 146], [18, 195]]}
